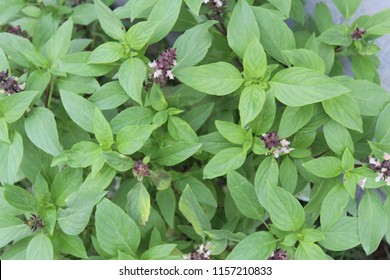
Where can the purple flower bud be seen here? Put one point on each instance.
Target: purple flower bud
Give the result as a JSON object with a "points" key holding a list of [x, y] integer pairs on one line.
{"points": [[162, 67], [358, 33], [279, 255], [140, 170], [270, 140], [9, 85], [34, 222], [203, 253], [18, 31]]}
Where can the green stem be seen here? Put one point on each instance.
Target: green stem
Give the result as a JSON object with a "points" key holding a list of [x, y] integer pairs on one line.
{"points": [[50, 93]]}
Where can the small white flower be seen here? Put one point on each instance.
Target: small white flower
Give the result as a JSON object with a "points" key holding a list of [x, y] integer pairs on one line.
{"points": [[276, 153], [285, 143], [170, 75], [22, 86], [380, 176], [362, 183], [219, 3], [387, 181], [174, 62], [157, 73], [152, 64], [374, 161], [383, 170], [206, 1], [386, 156]]}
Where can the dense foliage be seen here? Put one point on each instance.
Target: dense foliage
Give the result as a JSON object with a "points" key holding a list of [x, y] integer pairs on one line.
{"points": [[197, 129]]}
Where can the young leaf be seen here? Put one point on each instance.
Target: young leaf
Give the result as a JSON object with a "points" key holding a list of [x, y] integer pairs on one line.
{"points": [[342, 235], [109, 22], [194, 5], [102, 130], [41, 129], [11, 158], [244, 196], [118, 161], [58, 45], [347, 7], [227, 160], [310, 251], [337, 137], [257, 246], [276, 36], [251, 103], [218, 78], [107, 53], [190, 208], [347, 161], [139, 34], [232, 132], [305, 58], [285, 211], [324, 167], [138, 204], [242, 28], [344, 110], [13, 107], [132, 74], [293, 119], [65, 182], [372, 221], [337, 35], [80, 110], [131, 138], [192, 46], [378, 24], [266, 175], [181, 131], [284, 6], [115, 230], [288, 175], [40, 248], [333, 206], [300, 86], [166, 201], [157, 99]]}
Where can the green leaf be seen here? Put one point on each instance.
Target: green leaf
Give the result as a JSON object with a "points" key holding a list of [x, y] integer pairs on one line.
{"points": [[257, 246], [255, 60], [293, 119], [382, 130], [80, 204], [288, 175], [252, 100], [342, 235], [40, 248], [102, 130], [323, 17], [326, 52], [244, 196], [218, 78], [242, 28], [347, 161], [364, 67], [158, 252], [132, 116], [115, 230], [181, 131], [372, 221], [41, 129], [11, 156], [131, 138], [72, 245], [285, 211], [263, 122], [369, 104], [139, 34], [10, 228], [13, 107], [118, 161], [175, 153], [223, 162], [324, 167], [84, 14], [58, 45], [337, 35], [387, 209], [276, 36], [284, 6], [192, 46], [80, 110], [194, 5], [109, 96], [109, 22], [106, 53], [333, 206], [165, 12], [138, 204], [266, 175], [337, 137], [4, 61], [99, 180], [190, 208], [82, 154], [132, 74], [310, 251], [344, 110], [233, 132], [78, 84], [378, 24], [137, 8], [347, 7], [157, 99], [166, 201], [300, 86], [305, 58]]}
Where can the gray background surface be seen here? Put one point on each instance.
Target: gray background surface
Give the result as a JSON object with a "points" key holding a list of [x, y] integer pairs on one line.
{"points": [[367, 7]]}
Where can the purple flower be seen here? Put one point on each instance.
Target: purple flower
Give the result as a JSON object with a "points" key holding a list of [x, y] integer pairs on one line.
{"points": [[278, 255], [203, 253], [9, 85], [34, 222], [18, 31], [382, 169], [276, 146], [358, 33], [162, 67], [140, 170]]}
